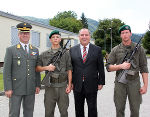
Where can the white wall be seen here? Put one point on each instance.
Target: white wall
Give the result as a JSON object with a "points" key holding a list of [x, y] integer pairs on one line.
{"points": [[5, 35]]}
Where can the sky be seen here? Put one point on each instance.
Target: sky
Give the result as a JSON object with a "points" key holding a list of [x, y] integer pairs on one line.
{"points": [[135, 13]]}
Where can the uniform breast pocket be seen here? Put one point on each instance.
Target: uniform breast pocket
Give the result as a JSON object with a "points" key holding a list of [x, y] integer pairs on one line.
{"points": [[120, 56], [33, 60], [17, 61]]}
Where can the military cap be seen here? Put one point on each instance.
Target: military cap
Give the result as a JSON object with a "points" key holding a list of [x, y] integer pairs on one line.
{"points": [[124, 27], [54, 32], [24, 27]]}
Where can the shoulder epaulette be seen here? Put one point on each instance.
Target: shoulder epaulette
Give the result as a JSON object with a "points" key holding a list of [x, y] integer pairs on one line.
{"points": [[18, 46], [31, 47]]}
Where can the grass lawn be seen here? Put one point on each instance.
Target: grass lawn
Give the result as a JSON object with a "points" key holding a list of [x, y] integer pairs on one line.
{"points": [[42, 76], [1, 82]]}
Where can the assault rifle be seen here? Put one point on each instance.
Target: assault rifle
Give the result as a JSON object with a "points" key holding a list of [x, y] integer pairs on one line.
{"points": [[46, 79], [122, 75]]}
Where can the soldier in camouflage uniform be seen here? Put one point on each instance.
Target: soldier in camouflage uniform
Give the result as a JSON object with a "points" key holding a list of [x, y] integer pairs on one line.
{"points": [[60, 77], [21, 81], [132, 89]]}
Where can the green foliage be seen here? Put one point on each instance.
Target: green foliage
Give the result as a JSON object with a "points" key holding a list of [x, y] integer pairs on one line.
{"points": [[146, 42], [1, 82], [67, 21], [84, 21], [92, 24], [65, 14], [104, 53], [103, 33]]}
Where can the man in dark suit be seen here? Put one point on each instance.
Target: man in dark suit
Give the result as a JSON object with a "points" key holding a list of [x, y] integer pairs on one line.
{"points": [[88, 74], [21, 81]]}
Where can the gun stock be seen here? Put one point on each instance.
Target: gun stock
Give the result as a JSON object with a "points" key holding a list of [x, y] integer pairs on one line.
{"points": [[122, 77]]}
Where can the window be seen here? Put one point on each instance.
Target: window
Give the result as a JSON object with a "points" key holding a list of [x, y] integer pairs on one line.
{"points": [[69, 44], [35, 38], [14, 36], [75, 42], [48, 43]]}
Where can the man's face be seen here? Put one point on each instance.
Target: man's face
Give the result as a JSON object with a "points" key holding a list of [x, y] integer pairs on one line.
{"points": [[125, 35], [24, 37], [84, 37], [55, 39]]}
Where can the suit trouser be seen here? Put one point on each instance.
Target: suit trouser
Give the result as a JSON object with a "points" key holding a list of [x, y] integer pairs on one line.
{"points": [[27, 104], [130, 90], [55, 95], [91, 99]]}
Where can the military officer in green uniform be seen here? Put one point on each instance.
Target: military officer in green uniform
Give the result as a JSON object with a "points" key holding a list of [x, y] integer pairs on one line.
{"points": [[60, 77], [132, 89], [21, 81]]}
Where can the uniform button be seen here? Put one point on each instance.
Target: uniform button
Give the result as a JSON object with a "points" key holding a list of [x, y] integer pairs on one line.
{"points": [[28, 69], [28, 74]]}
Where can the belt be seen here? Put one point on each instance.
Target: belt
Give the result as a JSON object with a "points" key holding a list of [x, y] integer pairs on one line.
{"points": [[57, 80], [130, 77]]}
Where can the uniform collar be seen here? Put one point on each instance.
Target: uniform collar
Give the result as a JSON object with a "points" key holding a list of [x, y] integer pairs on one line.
{"points": [[131, 46], [51, 50], [23, 45], [81, 46]]}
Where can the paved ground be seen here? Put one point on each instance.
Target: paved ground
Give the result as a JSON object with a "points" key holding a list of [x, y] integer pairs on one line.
{"points": [[105, 102]]}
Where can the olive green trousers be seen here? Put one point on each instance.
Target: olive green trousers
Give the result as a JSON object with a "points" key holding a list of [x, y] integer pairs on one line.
{"points": [[130, 90], [55, 95]]}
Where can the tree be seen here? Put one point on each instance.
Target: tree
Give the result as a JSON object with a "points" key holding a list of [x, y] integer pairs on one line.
{"points": [[103, 33], [146, 42], [84, 21], [66, 20]]}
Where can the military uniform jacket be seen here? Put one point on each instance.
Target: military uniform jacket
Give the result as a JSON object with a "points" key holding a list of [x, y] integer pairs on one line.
{"points": [[138, 63], [62, 66], [19, 70]]}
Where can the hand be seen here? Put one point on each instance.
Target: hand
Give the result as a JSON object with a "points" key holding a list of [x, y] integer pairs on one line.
{"points": [[143, 90], [125, 65], [51, 67], [72, 87], [37, 90], [8, 93], [100, 87], [68, 89]]}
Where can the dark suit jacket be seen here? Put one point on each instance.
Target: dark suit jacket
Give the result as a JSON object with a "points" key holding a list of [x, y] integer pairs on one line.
{"points": [[93, 68]]}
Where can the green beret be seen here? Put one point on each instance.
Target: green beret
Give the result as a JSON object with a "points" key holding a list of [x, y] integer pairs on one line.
{"points": [[54, 32], [24, 27], [124, 27]]}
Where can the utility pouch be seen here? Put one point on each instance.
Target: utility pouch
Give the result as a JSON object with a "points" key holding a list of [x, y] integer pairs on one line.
{"points": [[132, 75]]}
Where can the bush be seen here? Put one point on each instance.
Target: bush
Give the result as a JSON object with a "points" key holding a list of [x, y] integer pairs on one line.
{"points": [[104, 53]]}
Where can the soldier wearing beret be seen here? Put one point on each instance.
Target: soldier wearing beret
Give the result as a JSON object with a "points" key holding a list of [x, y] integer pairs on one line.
{"points": [[21, 81], [60, 77], [132, 88]]}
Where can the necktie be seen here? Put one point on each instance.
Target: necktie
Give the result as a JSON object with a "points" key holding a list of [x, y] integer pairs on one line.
{"points": [[26, 49], [84, 54]]}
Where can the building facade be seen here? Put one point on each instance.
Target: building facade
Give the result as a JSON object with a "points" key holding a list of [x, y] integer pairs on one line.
{"points": [[39, 34]]}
